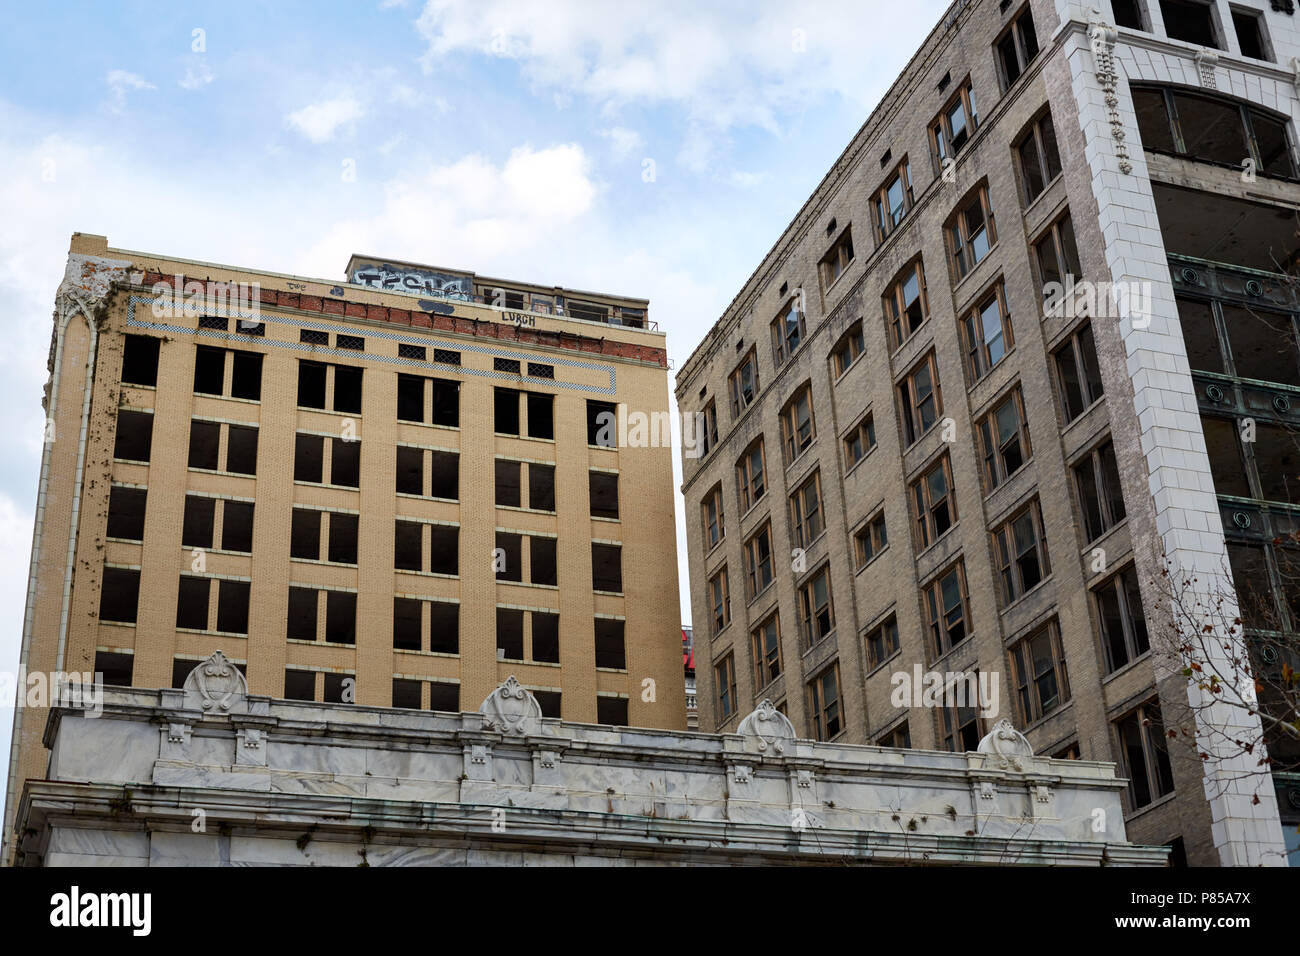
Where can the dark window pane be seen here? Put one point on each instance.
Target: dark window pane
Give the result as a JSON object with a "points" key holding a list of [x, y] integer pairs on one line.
{"points": [[1153, 119]]}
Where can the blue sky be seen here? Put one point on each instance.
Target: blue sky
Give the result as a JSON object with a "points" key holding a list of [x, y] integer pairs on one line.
{"points": [[508, 138]]}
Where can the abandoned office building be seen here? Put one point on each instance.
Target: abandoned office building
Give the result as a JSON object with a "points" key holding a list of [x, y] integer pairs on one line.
{"points": [[390, 491], [920, 457]]}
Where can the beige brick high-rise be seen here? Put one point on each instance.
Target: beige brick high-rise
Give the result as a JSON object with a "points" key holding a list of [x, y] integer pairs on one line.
{"points": [[389, 490]]}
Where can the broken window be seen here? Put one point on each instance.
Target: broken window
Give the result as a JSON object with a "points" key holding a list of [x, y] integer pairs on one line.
{"points": [[410, 470], [602, 418], [347, 389], [919, 400], [445, 697], [205, 442], [1277, 462], [507, 483], [410, 398], [604, 494], [241, 450], [209, 370], [611, 710], [1128, 13], [1004, 439], [407, 624], [181, 668], [611, 651], [1119, 615], [509, 564], [444, 549], [444, 468], [444, 627], [340, 688], [232, 607], [1199, 335], [1249, 27], [408, 546], [140, 360], [311, 384], [546, 637], [1100, 498], [1078, 376], [510, 634], [541, 487], [1017, 47], [549, 701], [196, 528], [343, 538], [134, 436], [1058, 257], [542, 561], [1250, 576], [1227, 464], [406, 693], [237, 526], [304, 534], [341, 617], [1040, 161], [115, 668], [1262, 344], [192, 603], [303, 604], [309, 458], [299, 685], [607, 567], [446, 402], [541, 416], [947, 610], [1020, 553], [246, 375], [506, 411], [1213, 129], [126, 513], [1143, 748], [345, 463], [1191, 21]]}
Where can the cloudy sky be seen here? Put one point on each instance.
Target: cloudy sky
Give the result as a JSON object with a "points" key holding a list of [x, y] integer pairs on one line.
{"points": [[509, 138]]}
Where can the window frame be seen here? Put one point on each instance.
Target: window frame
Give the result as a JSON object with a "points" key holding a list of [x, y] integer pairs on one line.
{"points": [[713, 502], [749, 496], [883, 221], [910, 405], [755, 562], [870, 539], [735, 383], [1095, 458], [832, 266], [1149, 722], [862, 434], [790, 430], [808, 523], [724, 676], [979, 361], [940, 129], [718, 590], [993, 466], [1119, 584], [1075, 345], [782, 350], [1024, 58], [895, 307], [1042, 154], [843, 355], [1026, 676], [885, 637], [826, 713], [939, 625], [925, 531], [765, 640], [1008, 555], [958, 239], [810, 613]]}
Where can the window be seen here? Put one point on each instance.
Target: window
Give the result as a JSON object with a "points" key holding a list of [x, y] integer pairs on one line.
{"points": [[899, 738], [986, 330], [116, 668], [542, 563], [961, 723], [341, 617], [509, 557], [510, 634], [133, 439], [1096, 477], [611, 711], [1190, 20], [1213, 129], [744, 384], [1040, 160], [355, 342], [954, 126], [602, 424], [444, 627], [508, 493], [870, 539], [750, 476], [342, 538], [892, 202], [787, 332], [837, 259], [140, 360], [1078, 377], [859, 441], [934, 509], [767, 652], [545, 637], [1016, 48], [506, 411], [1145, 760], [971, 233], [126, 513], [603, 487], [724, 673], [846, 352], [237, 526], [1249, 27], [304, 534], [198, 521], [758, 562], [313, 380], [906, 306], [720, 600], [1058, 258], [444, 475], [919, 400], [882, 643], [709, 428], [947, 613], [541, 486], [540, 370], [611, 650], [299, 685], [1020, 551], [1038, 668], [1200, 335], [410, 470], [1261, 344], [607, 568], [816, 617], [824, 703], [406, 693], [232, 607], [797, 424], [1128, 13], [205, 444], [714, 528], [1123, 625], [311, 384], [541, 414], [1004, 439], [192, 598], [304, 605], [806, 512], [1227, 459]]}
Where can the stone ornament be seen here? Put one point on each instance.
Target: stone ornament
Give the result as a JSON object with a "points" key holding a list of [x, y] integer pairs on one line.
{"points": [[1206, 61], [216, 686], [769, 725], [1006, 745], [512, 710], [1102, 36]]}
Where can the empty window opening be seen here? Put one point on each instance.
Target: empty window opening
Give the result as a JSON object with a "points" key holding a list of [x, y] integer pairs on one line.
{"points": [[410, 398], [408, 546], [115, 668], [611, 650], [180, 670], [446, 402], [246, 375], [444, 549], [549, 701], [311, 385], [546, 637], [612, 711], [196, 528], [304, 534], [541, 416], [604, 494], [237, 526], [343, 538], [588, 311], [444, 627], [134, 437], [209, 370], [299, 685], [541, 487], [444, 469], [303, 604], [140, 360], [1191, 21], [507, 483], [406, 693], [232, 607], [241, 450], [309, 458], [341, 617], [506, 413], [509, 563], [340, 688], [192, 603], [205, 441], [407, 624], [347, 389], [602, 418], [445, 697], [1128, 13], [345, 463], [607, 567], [542, 561], [1249, 28], [126, 513], [410, 471], [510, 634]]}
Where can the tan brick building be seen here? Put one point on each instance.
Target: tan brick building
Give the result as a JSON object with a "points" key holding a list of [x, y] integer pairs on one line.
{"points": [[915, 464], [391, 490]]}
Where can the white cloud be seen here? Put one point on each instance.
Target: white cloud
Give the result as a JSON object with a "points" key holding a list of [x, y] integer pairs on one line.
{"points": [[121, 82], [745, 180], [320, 121], [622, 142], [197, 74]]}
